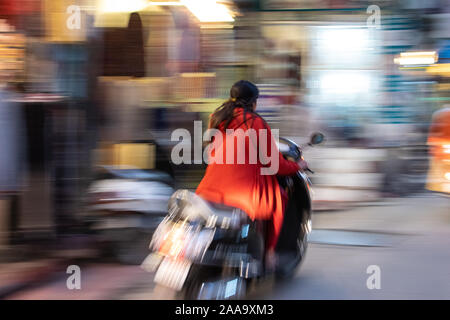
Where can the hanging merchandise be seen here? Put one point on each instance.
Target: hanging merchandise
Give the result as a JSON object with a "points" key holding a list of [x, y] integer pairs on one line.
{"points": [[12, 53]]}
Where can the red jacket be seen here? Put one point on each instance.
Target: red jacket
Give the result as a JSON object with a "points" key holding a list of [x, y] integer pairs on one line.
{"points": [[242, 185]]}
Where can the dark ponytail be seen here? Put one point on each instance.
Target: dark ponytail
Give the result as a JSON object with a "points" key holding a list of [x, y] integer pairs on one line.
{"points": [[242, 95]]}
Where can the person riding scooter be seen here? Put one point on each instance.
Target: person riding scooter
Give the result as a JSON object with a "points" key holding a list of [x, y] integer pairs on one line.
{"points": [[245, 184]]}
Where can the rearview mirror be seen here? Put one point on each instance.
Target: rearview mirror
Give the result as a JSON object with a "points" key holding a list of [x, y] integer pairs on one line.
{"points": [[317, 138]]}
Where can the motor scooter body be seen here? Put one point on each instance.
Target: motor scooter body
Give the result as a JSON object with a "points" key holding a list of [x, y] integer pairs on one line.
{"points": [[204, 250]]}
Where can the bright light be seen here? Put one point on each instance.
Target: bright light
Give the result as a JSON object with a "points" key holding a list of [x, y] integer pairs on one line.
{"points": [[217, 26], [347, 40], [345, 83], [447, 175], [165, 3], [110, 6], [208, 10], [446, 148], [416, 58], [204, 10]]}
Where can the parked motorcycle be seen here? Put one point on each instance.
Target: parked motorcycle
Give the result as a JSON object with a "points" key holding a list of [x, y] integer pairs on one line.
{"points": [[203, 250], [125, 205]]}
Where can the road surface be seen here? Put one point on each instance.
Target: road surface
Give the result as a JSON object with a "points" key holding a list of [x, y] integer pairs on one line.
{"points": [[406, 239]]}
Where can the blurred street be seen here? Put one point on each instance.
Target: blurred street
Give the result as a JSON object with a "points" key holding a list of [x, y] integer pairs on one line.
{"points": [[115, 121], [408, 238]]}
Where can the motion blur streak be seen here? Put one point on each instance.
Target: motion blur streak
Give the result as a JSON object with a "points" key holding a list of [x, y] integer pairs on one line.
{"points": [[91, 91]]}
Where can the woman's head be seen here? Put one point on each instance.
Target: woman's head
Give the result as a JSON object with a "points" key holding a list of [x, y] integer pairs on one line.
{"points": [[243, 94]]}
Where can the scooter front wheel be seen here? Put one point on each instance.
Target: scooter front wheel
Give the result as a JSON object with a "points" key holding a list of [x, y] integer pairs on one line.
{"points": [[289, 261]]}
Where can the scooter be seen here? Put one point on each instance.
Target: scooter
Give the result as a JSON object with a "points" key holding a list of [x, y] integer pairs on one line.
{"points": [[203, 250]]}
